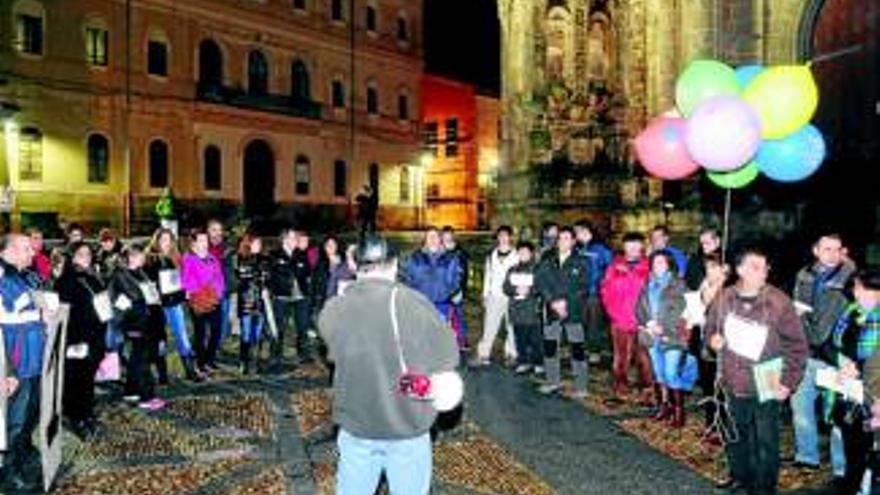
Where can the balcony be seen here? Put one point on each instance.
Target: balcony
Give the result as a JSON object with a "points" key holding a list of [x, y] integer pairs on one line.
{"points": [[272, 103]]}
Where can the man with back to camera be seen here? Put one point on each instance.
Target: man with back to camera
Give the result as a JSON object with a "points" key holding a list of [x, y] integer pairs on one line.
{"points": [[393, 374]]}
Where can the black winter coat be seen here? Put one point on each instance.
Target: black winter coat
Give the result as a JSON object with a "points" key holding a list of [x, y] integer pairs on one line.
{"points": [[77, 288]]}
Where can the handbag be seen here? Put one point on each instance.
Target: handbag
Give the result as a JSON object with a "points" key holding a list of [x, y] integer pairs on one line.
{"points": [[109, 369], [204, 300]]}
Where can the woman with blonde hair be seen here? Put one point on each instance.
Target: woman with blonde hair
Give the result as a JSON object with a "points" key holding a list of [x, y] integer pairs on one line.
{"points": [[163, 267]]}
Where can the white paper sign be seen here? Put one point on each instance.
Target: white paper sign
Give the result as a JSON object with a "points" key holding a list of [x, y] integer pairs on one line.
{"points": [[694, 309], [151, 295], [103, 308], [851, 389], [169, 282], [522, 279], [123, 303], [744, 337], [48, 300], [77, 351]]}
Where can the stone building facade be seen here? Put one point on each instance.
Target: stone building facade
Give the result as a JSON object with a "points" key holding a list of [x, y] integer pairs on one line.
{"points": [[580, 78], [278, 110]]}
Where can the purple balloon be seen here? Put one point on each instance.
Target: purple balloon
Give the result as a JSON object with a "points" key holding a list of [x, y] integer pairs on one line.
{"points": [[723, 133]]}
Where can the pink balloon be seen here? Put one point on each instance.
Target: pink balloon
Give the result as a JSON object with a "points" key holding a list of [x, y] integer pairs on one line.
{"points": [[723, 133], [662, 151]]}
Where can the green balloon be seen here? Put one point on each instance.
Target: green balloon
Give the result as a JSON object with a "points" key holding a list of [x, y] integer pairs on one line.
{"points": [[737, 179], [702, 80]]}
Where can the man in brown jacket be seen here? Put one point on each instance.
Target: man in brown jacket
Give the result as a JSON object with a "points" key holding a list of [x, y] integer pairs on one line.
{"points": [[753, 311]]}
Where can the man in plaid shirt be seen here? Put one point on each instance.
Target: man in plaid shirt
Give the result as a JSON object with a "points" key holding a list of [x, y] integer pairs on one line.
{"points": [[856, 338]]}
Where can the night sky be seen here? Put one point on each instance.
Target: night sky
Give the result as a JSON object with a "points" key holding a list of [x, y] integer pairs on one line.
{"points": [[462, 41]]}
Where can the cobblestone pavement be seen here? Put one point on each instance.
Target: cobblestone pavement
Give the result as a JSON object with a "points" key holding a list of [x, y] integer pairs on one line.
{"points": [[273, 435]]}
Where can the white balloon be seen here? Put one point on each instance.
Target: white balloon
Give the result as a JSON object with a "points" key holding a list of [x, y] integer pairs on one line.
{"points": [[447, 390]]}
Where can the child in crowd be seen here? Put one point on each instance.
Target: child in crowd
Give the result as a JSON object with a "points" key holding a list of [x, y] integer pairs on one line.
{"points": [[525, 310]]}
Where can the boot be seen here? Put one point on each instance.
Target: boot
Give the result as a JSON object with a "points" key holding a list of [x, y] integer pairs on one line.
{"points": [[189, 367], [162, 369], [664, 410], [678, 416], [245, 358]]}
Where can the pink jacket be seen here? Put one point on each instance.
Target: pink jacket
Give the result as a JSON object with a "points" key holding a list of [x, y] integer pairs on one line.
{"points": [[620, 292], [197, 272]]}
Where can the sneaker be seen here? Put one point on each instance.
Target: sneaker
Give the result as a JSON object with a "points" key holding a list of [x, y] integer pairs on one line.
{"points": [[579, 395], [549, 389], [538, 370], [131, 398], [522, 369], [595, 358], [153, 404]]}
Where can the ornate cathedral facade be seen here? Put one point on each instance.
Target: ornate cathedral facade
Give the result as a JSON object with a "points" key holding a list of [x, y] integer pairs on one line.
{"points": [[580, 79]]}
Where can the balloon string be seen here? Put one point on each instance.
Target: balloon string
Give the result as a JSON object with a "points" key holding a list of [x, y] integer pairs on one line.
{"points": [[725, 237], [835, 54]]}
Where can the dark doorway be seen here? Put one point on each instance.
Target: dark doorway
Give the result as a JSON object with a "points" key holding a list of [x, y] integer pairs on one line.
{"points": [[210, 65], [259, 180]]}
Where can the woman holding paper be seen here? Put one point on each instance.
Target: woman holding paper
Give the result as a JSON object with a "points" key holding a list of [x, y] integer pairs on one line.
{"points": [[138, 305], [762, 355], [163, 268], [90, 311], [661, 330]]}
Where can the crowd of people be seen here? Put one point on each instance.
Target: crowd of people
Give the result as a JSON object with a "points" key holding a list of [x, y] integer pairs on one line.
{"points": [[682, 322]]}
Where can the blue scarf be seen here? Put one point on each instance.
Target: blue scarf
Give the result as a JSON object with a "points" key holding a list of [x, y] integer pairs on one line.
{"points": [[655, 291]]}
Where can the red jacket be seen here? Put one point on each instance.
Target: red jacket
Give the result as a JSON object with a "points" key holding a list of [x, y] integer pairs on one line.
{"points": [[620, 292], [43, 265]]}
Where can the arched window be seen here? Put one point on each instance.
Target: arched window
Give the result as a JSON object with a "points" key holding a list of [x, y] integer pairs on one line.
{"points": [[402, 28], [340, 179], [157, 55], [210, 65], [300, 83], [372, 99], [403, 106], [404, 184], [30, 154], [213, 171], [158, 155], [302, 175], [299, 4], [97, 42], [337, 10], [99, 159], [258, 73], [372, 18], [338, 94]]}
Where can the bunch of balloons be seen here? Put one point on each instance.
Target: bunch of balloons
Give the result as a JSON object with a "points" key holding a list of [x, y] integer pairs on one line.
{"points": [[736, 124]]}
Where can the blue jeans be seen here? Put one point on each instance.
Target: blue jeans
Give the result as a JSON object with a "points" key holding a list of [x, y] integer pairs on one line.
{"points": [[406, 462], [23, 415], [669, 369], [225, 324], [806, 434], [251, 328], [176, 320]]}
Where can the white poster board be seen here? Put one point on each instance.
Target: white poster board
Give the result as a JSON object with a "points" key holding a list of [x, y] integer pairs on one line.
{"points": [[51, 394]]}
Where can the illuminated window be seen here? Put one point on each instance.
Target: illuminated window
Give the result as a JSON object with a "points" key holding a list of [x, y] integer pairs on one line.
{"points": [[158, 155], [99, 159], [404, 184], [452, 137], [429, 135], [213, 173], [157, 58], [303, 175], [340, 179], [30, 154], [29, 22], [96, 46]]}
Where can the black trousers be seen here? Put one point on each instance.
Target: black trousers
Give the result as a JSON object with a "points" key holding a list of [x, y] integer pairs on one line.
{"points": [[207, 334], [857, 446], [707, 370], [529, 342], [754, 456], [79, 387], [301, 313], [139, 374]]}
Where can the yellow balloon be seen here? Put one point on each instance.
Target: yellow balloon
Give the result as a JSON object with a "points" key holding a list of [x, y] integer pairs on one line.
{"points": [[785, 97]]}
